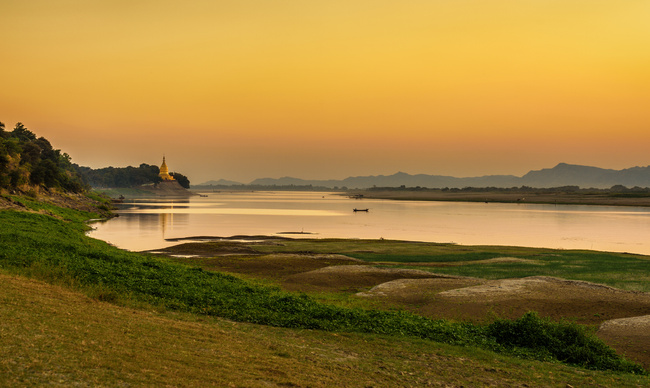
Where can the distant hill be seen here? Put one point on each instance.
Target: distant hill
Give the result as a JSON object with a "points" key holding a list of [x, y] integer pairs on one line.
{"points": [[584, 176], [561, 175]]}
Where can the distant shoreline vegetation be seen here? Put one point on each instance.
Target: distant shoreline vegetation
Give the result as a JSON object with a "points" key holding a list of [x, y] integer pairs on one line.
{"points": [[126, 177], [243, 187], [618, 190]]}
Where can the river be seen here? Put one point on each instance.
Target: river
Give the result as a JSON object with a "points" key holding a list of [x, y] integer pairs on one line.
{"points": [[146, 224]]}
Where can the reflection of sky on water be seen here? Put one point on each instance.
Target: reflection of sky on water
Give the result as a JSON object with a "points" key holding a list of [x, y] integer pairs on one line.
{"points": [[255, 212], [145, 225]]}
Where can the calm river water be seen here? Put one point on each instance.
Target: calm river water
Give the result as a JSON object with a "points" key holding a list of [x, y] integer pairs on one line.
{"points": [[145, 224]]}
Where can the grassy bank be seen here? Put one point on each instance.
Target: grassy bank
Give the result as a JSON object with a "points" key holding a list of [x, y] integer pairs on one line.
{"points": [[52, 247], [57, 337]]}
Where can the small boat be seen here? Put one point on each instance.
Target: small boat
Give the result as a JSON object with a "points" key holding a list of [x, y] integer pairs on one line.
{"points": [[360, 210]]}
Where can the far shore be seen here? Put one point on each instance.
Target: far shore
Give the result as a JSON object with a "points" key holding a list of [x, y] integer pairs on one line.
{"points": [[558, 198]]}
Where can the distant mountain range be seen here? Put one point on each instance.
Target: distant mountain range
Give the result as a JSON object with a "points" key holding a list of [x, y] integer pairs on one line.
{"points": [[561, 175]]}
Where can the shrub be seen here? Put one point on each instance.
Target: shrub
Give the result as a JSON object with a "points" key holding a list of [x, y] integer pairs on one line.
{"points": [[564, 341]]}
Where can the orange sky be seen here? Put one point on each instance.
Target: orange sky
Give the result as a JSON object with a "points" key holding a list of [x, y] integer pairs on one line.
{"points": [[328, 89]]}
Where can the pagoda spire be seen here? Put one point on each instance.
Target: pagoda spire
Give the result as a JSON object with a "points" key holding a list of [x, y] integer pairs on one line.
{"points": [[164, 171]]}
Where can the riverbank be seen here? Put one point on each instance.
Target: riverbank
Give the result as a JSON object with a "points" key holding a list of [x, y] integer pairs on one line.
{"points": [[52, 248], [55, 336], [448, 281], [600, 198]]}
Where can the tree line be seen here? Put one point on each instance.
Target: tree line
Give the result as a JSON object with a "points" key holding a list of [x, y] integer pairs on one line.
{"points": [[27, 162], [120, 177]]}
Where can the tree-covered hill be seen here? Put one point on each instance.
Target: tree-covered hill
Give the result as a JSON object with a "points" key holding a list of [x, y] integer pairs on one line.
{"points": [[28, 162]]}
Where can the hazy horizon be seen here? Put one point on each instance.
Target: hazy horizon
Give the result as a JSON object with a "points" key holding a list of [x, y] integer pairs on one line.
{"points": [[326, 90]]}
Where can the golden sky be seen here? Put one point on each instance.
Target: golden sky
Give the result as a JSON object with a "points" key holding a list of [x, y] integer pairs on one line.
{"points": [[244, 89]]}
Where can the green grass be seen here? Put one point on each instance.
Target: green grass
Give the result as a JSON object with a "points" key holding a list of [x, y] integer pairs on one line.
{"points": [[434, 258], [617, 270], [56, 250], [66, 214], [52, 336]]}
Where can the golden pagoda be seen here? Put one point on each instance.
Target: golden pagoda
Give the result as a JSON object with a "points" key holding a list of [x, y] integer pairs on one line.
{"points": [[164, 172]]}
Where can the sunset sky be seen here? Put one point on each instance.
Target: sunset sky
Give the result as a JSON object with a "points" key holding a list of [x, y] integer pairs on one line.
{"points": [[245, 89]]}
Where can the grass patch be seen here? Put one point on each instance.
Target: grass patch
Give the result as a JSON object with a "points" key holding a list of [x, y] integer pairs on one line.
{"points": [[418, 258], [628, 272], [56, 250]]}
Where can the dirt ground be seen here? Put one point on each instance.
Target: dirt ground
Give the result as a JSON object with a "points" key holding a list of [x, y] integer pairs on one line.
{"points": [[621, 317], [67, 200]]}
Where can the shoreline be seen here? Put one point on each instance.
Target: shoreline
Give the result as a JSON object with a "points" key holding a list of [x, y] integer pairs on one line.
{"points": [[552, 198]]}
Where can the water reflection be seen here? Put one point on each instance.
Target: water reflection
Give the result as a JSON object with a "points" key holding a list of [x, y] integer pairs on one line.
{"points": [[146, 224]]}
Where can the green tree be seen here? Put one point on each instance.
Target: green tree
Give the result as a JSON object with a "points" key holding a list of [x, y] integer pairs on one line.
{"points": [[181, 179], [3, 134], [22, 133]]}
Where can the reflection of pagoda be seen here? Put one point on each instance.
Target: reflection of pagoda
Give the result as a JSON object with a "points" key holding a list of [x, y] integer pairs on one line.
{"points": [[164, 172], [166, 219]]}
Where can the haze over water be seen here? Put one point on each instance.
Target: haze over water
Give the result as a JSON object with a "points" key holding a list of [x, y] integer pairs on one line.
{"points": [[144, 225]]}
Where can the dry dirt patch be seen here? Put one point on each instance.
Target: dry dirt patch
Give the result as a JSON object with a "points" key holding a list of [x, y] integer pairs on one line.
{"points": [[586, 302], [275, 266], [629, 336], [529, 286], [351, 277]]}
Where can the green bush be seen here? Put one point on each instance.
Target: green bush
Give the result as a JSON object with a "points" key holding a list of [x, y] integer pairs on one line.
{"points": [[567, 342]]}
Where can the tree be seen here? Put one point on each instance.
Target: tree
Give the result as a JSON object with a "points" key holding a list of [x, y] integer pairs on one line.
{"points": [[181, 179], [23, 134], [3, 134], [31, 154]]}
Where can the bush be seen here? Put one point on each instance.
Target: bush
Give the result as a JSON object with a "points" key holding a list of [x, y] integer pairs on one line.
{"points": [[567, 342]]}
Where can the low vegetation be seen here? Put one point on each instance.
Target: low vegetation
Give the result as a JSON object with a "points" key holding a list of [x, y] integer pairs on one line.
{"points": [[55, 249]]}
